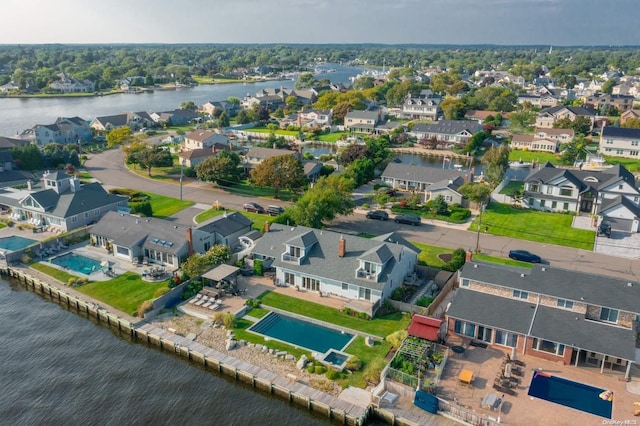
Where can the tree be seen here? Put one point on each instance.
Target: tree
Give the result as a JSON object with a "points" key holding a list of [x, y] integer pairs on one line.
{"points": [[189, 105], [475, 142], [340, 112], [223, 120], [452, 108], [362, 83], [438, 206], [608, 85], [632, 123], [154, 156], [223, 169], [353, 152], [361, 171], [305, 81], [571, 151], [280, 172], [497, 163], [476, 192], [329, 197], [198, 264], [28, 157], [580, 125], [293, 103], [522, 121], [118, 136], [379, 150]]}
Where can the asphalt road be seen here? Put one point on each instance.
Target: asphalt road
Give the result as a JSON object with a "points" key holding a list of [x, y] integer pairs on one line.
{"points": [[109, 169]]}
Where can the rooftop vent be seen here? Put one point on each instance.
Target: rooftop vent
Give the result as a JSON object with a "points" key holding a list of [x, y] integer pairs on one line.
{"points": [[522, 275], [629, 285], [475, 265], [544, 269]]}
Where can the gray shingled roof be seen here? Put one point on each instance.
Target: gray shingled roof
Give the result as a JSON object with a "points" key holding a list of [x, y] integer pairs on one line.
{"points": [[225, 225], [323, 260], [603, 178], [576, 110], [582, 333], [363, 115], [492, 311], [579, 286], [608, 203], [448, 127], [304, 240], [428, 175]]}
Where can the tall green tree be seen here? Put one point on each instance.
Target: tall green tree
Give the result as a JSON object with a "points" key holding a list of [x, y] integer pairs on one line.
{"points": [[497, 162], [305, 80], [280, 172], [154, 156], [329, 197], [223, 169], [118, 136], [476, 192]]}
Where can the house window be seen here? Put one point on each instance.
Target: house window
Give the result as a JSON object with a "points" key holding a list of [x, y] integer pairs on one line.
{"points": [[563, 303], [289, 278], [609, 141], [370, 268], [519, 294], [506, 338], [542, 203], [465, 282], [531, 201], [634, 153], [554, 204], [548, 346], [465, 328], [634, 143], [86, 215], [565, 206], [620, 187], [549, 190], [364, 293], [311, 284], [620, 151], [609, 315], [74, 219], [294, 251], [345, 286], [566, 191], [484, 334]]}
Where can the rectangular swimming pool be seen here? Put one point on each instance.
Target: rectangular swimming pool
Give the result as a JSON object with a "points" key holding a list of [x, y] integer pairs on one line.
{"points": [[302, 334], [570, 394], [15, 242], [77, 262]]}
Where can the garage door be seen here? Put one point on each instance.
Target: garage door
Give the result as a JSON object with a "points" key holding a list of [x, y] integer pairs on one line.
{"points": [[618, 224]]}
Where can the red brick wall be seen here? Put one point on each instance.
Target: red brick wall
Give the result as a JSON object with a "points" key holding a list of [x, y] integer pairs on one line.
{"points": [[566, 359]]}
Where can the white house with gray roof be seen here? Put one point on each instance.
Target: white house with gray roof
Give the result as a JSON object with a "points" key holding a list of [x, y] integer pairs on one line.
{"points": [[560, 315], [63, 204], [363, 270], [447, 132]]}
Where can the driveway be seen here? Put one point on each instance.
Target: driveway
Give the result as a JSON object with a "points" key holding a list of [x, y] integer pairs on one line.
{"points": [[620, 244]]}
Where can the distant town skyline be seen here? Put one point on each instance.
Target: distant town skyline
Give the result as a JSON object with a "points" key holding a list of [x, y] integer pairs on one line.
{"points": [[502, 22]]}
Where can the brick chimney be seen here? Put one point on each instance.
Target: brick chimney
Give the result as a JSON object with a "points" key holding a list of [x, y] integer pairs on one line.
{"points": [[469, 255], [189, 241], [266, 227], [342, 247]]}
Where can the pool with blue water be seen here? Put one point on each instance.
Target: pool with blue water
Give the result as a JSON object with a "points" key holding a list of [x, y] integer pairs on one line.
{"points": [[15, 242], [300, 333], [570, 394], [77, 262]]}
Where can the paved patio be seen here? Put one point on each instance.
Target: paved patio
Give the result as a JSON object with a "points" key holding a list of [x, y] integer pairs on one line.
{"points": [[523, 409]]}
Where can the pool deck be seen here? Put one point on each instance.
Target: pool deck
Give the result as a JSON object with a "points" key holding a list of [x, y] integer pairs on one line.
{"points": [[523, 409]]}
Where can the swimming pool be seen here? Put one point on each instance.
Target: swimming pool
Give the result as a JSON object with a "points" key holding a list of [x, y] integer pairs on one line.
{"points": [[15, 242], [301, 333], [77, 262], [570, 394]]}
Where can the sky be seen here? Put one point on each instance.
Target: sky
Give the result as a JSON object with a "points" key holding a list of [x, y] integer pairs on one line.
{"points": [[503, 22]]}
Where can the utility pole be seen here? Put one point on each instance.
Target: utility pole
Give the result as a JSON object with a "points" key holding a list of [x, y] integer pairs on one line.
{"points": [[479, 228], [181, 176]]}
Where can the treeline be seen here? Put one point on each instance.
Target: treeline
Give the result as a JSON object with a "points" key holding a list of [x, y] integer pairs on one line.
{"points": [[39, 64]]}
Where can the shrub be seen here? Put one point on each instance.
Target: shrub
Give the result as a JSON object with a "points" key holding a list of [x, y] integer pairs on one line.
{"points": [[319, 369], [363, 315], [229, 321], [365, 206], [144, 307], [373, 369], [395, 339], [258, 267], [353, 363], [348, 311], [457, 260], [386, 309], [142, 208], [332, 374], [311, 368], [218, 318], [424, 301]]}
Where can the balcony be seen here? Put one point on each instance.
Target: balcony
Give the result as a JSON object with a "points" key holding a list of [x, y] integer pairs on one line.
{"points": [[286, 257], [365, 275]]}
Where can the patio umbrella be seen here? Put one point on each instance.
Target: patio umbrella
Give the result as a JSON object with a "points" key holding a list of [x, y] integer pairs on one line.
{"points": [[105, 263]]}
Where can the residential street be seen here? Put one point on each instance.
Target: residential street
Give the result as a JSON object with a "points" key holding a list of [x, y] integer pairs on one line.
{"points": [[108, 168]]}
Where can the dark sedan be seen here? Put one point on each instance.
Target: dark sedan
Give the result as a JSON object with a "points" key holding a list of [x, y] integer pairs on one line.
{"points": [[409, 219], [253, 208], [378, 214], [524, 256]]}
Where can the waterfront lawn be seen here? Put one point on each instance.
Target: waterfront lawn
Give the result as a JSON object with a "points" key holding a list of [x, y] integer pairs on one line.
{"points": [[332, 137], [378, 326], [277, 132], [533, 156], [511, 187], [58, 274], [501, 260], [429, 254], [241, 333], [125, 292], [164, 207], [628, 163], [370, 357], [534, 225]]}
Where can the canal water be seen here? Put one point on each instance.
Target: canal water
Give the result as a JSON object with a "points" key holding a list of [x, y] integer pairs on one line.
{"points": [[18, 114], [59, 368]]}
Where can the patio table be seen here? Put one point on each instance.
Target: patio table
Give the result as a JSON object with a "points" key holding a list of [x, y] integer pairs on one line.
{"points": [[466, 376]]}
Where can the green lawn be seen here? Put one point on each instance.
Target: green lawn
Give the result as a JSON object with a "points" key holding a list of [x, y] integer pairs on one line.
{"points": [[52, 272], [125, 292], [277, 132], [512, 186], [629, 163], [379, 326], [164, 207], [368, 355], [208, 214], [429, 254], [533, 225], [257, 218], [533, 156], [258, 312], [332, 137], [259, 191], [501, 260]]}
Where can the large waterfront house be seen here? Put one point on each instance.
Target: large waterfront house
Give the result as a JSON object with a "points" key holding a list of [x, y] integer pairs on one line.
{"points": [[620, 142], [68, 84], [176, 117], [312, 118], [370, 122], [566, 316], [62, 204], [227, 229], [425, 106], [588, 191], [432, 181], [71, 130], [548, 116], [133, 120], [256, 155], [447, 133], [230, 108], [202, 139], [363, 270], [543, 139]]}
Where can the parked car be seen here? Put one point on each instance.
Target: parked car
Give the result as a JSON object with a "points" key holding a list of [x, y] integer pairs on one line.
{"points": [[524, 256], [275, 210], [253, 208], [604, 230], [378, 214], [409, 219]]}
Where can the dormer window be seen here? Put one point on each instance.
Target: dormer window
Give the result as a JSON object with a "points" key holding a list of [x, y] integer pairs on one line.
{"points": [[294, 251]]}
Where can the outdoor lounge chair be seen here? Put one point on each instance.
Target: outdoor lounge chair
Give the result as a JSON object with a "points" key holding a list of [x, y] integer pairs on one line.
{"points": [[200, 302], [206, 305]]}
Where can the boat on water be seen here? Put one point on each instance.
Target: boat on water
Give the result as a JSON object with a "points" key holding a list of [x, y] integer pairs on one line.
{"points": [[519, 164]]}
